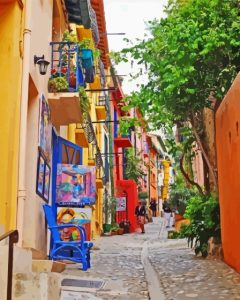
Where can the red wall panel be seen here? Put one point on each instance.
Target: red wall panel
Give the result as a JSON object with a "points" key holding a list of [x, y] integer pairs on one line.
{"points": [[228, 158]]}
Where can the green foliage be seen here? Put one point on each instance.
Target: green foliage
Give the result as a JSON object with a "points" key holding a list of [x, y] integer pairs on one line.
{"points": [[109, 209], [84, 100], [192, 53], [173, 235], [57, 84], [133, 168], [96, 53], [180, 195], [203, 213], [114, 227], [125, 124], [69, 37], [143, 195], [84, 43]]}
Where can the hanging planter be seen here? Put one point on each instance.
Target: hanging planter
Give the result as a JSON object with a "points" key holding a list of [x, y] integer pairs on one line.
{"points": [[90, 75], [87, 58]]}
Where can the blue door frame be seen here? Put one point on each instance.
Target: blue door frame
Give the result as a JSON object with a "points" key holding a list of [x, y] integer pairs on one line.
{"points": [[63, 152]]}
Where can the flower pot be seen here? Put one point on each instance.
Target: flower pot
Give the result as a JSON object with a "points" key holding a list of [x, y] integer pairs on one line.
{"points": [[178, 217], [86, 53], [113, 232], [72, 81], [120, 231], [106, 227]]}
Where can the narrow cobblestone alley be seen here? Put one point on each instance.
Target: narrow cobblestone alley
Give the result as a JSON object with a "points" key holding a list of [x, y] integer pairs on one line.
{"points": [[139, 267]]}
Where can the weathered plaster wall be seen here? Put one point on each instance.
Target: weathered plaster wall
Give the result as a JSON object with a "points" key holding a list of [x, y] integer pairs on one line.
{"points": [[228, 158], [11, 17]]}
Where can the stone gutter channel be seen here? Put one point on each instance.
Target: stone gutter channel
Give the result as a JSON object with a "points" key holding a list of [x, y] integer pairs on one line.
{"points": [[154, 286]]}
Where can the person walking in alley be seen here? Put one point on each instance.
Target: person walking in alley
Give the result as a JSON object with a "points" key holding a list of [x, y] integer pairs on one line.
{"points": [[153, 207], [167, 214], [140, 213]]}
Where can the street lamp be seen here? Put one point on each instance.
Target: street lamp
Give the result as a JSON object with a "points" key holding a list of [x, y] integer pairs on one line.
{"points": [[43, 64]]}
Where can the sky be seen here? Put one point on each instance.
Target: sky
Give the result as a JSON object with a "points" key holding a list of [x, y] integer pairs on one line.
{"points": [[129, 17]]}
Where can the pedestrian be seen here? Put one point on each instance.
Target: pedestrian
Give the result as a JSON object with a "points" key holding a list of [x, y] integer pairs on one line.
{"points": [[153, 207], [140, 213], [167, 214]]}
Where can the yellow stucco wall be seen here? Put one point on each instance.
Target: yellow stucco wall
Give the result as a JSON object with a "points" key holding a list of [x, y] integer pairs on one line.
{"points": [[96, 222], [166, 165], [11, 18]]}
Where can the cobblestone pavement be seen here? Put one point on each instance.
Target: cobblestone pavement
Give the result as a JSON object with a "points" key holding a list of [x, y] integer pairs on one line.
{"points": [[149, 266]]}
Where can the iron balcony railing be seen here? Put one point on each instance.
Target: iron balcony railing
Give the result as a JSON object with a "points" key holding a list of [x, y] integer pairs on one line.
{"points": [[74, 67], [94, 26], [66, 64]]}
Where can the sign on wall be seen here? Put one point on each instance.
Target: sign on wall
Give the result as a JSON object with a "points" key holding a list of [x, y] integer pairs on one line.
{"points": [[76, 185], [121, 204]]}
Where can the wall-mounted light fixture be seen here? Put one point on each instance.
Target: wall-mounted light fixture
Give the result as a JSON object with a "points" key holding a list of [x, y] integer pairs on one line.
{"points": [[43, 64]]}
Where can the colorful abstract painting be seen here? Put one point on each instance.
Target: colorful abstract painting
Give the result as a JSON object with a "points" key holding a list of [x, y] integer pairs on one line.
{"points": [[47, 175], [73, 215], [43, 177], [76, 185], [45, 128], [40, 177]]}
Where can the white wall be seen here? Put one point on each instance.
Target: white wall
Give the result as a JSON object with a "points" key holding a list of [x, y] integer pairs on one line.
{"points": [[34, 230]]}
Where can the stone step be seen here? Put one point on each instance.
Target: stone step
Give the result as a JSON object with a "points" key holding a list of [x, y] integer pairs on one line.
{"points": [[36, 286], [40, 265], [22, 263]]}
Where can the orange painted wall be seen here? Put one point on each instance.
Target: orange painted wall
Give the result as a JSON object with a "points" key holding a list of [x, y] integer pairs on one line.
{"points": [[228, 158]]}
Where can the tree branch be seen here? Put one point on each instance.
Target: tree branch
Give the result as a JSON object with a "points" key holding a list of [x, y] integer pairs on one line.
{"points": [[200, 145], [192, 182]]}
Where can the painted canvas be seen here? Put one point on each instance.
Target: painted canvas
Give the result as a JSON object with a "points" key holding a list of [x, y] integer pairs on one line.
{"points": [[46, 182], [43, 177], [76, 185], [45, 128], [73, 215], [40, 176]]}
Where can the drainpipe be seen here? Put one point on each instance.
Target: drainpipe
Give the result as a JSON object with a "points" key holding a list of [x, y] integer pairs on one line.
{"points": [[21, 194]]}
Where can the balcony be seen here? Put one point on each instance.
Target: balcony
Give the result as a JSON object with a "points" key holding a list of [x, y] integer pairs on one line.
{"points": [[80, 137], [65, 108], [124, 141], [101, 108], [91, 162], [96, 84], [99, 178], [66, 76], [67, 72]]}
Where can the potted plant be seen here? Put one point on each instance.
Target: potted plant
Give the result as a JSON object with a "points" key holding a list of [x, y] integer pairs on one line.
{"points": [[114, 230], [86, 54], [84, 101], [57, 84], [106, 228], [125, 225]]}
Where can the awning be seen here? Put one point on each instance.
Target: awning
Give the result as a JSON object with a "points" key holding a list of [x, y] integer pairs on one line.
{"points": [[121, 142]]}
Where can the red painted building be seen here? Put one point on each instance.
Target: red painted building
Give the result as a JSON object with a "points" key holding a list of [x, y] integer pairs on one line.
{"points": [[123, 187], [228, 158]]}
